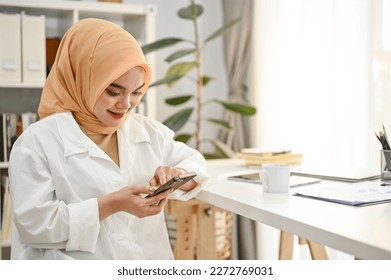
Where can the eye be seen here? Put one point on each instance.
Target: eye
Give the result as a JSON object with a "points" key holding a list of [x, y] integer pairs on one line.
{"points": [[111, 93], [137, 93]]}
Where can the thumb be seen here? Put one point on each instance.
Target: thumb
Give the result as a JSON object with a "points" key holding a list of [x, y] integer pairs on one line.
{"points": [[153, 182], [143, 189]]}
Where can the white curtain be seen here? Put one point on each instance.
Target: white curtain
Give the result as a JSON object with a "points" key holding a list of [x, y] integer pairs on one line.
{"points": [[237, 56], [322, 80]]}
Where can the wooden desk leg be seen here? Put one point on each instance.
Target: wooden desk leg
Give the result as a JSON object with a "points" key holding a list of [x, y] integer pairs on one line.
{"points": [[318, 252], [185, 238], [286, 246], [206, 241]]}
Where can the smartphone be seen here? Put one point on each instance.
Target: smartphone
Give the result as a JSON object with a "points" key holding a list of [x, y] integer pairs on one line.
{"points": [[174, 183]]}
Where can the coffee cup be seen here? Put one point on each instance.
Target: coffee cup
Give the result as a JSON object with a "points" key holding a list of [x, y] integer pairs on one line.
{"points": [[275, 178]]}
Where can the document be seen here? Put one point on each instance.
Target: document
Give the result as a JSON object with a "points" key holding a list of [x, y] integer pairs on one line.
{"points": [[357, 194]]}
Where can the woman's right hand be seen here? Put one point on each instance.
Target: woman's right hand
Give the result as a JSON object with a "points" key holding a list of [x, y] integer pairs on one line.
{"points": [[131, 199]]}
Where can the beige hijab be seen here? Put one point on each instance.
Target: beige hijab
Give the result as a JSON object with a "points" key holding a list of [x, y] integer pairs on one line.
{"points": [[92, 54]]}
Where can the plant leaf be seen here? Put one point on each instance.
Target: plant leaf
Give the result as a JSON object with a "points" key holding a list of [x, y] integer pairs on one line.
{"points": [[191, 12], [211, 156], [179, 119], [206, 80], [222, 30], [222, 149], [179, 70], [159, 44], [221, 123], [179, 54], [239, 108], [165, 80], [183, 137], [178, 100]]}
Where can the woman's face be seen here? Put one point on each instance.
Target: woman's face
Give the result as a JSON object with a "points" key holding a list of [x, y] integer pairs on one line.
{"points": [[120, 97]]}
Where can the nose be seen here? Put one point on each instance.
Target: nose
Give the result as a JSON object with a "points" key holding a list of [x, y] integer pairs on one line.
{"points": [[124, 102]]}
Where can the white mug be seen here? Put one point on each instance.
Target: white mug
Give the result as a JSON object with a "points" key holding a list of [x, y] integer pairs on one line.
{"points": [[275, 178]]}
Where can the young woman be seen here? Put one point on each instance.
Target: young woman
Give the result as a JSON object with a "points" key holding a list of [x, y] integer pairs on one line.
{"points": [[79, 176]]}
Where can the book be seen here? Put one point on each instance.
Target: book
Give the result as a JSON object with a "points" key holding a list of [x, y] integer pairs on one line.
{"points": [[7, 210], [263, 152], [8, 124], [2, 138], [259, 156]]}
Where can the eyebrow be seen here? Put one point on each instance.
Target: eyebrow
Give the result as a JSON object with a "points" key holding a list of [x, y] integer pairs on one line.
{"points": [[122, 87]]}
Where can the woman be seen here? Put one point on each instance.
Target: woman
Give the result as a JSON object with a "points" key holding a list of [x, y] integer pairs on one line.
{"points": [[79, 176]]}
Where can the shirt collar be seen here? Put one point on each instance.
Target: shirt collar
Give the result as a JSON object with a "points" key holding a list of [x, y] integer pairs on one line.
{"points": [[75, 141]]}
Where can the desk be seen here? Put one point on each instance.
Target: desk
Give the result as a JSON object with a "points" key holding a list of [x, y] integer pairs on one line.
{"points": [[364, 232]]}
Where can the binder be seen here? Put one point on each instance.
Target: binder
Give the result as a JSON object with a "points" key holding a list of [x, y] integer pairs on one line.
{"points": [[33, 49], [10, 49]]}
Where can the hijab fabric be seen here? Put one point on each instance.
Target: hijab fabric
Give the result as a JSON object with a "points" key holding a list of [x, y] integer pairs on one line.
{"points": [[92, 54]]}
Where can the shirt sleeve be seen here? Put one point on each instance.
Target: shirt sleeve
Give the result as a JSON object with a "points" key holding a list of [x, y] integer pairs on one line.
{"points": [[42, 220], [182, 156], [84, 226]]}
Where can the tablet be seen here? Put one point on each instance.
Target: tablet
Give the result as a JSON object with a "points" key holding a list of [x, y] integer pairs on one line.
{"points": [[295, 181], [174, 183]]}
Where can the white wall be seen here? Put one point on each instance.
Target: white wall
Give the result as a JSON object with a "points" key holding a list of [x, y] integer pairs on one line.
{"points": [[168, 24]]}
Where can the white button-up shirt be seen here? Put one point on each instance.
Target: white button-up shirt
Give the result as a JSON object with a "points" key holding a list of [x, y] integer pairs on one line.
{"points": [[57, 173]]}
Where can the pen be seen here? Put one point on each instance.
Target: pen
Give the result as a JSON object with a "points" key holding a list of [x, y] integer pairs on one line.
{"points": [[386, 137]]}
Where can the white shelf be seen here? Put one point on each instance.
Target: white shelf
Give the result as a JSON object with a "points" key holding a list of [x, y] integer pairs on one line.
{"points": [[61, 5], [5, 243], [21, 85], [139, 20]]}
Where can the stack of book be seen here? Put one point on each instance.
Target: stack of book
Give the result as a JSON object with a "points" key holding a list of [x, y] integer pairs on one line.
{"points": [[6, 210], [259, 156], [11, 126]]}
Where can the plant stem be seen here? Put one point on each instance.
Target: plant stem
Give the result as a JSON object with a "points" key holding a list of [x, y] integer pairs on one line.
{"points": [[198, 57]]}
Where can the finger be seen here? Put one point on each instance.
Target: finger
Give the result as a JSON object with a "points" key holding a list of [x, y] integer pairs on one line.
{"points": [[155, 200], [160, 175], [153, 182], [137, 190], [159, 205]]}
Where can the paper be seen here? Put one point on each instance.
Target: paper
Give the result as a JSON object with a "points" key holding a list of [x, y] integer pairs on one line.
{"points": [[362, 193]]}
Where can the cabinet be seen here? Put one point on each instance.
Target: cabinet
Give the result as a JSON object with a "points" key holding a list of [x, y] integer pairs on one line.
{"points": [[4, 244], [139, 20]]}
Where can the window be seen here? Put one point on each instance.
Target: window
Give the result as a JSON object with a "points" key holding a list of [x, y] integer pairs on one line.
{"points": [[322, 81]]}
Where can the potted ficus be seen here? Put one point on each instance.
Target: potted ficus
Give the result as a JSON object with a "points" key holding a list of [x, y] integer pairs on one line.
{"points": [[182, 63]]}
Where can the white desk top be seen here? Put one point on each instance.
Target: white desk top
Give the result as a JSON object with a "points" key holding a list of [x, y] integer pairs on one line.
{"points": [[364, 232]]}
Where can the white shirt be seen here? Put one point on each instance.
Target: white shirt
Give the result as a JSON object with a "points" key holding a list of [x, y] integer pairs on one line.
{"points": [[57, 173]]}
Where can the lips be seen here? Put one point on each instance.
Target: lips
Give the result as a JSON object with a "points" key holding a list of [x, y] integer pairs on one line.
{"points": [[116, 115]]}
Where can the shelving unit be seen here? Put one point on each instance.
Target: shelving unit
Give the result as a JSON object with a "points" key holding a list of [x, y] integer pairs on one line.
{"points": [[4, 244], [139, 20]]}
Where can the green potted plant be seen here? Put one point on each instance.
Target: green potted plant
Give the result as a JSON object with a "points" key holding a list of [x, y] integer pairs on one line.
{"points": [[180, 67]]}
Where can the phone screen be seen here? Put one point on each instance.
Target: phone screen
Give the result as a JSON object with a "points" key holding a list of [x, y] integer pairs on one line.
{"points": [[174, 183]]}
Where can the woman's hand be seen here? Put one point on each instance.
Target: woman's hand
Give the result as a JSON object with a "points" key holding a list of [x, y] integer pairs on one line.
{"points": [[165, 173], [131, 199]]}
